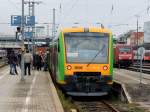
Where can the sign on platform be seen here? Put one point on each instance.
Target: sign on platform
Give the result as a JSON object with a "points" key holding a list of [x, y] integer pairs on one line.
{"points": [[28, 35], [141, 51], [29, 20], [15, 20]]}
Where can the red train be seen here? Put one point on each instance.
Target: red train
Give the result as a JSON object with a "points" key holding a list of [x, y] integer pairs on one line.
{"points": [[123, 55], [146, 57]]}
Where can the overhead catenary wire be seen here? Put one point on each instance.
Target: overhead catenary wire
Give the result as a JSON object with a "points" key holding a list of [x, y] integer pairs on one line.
{"points": [[73, 5], [111, 13], [112, 9], [12, 3], [86, 11], [133, 16], [67, 15], [140, 13], [126, 21]]}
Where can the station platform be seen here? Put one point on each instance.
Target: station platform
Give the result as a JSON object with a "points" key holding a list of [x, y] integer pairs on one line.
{"points": [[35, 94], [131, 77], [137, 86]]}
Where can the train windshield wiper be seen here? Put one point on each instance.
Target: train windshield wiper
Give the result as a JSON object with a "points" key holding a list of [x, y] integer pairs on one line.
{"points": [[96, 55]]}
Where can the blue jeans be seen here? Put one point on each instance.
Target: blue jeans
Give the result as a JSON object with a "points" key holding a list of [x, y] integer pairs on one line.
{"points": [[15, 68], [11, 69]]}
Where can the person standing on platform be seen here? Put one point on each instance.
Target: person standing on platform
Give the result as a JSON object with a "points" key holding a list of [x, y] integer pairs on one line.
{"points": [[13, 63], [35, 60], [19, 58], [10, 61], [27, 62], [39, 61]]}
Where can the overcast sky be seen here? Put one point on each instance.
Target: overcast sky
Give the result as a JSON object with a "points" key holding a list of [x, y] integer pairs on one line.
{"points": [[85, 12]]}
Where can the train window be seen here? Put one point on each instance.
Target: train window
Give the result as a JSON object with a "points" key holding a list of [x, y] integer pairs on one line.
{"points": [[147, 54], [83, 47], [87, 34], [124, 49]]}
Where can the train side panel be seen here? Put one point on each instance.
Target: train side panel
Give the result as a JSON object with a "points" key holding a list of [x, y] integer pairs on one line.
{"points": [[61, 57]]}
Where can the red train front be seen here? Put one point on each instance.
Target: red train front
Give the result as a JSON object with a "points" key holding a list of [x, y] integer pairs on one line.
{"points": [[147, 52], [123, 55], [147, 56]]}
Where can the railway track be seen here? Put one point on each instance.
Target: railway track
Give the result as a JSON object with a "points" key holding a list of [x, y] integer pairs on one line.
{"points": [[136, 67], [96, 106], [138, 70]]}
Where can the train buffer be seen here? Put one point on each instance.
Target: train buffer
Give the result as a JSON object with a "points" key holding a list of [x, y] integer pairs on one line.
{"points": [[35, 94]]}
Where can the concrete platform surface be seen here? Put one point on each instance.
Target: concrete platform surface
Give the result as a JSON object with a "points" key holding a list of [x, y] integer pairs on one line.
{"points": [[130, 77], [138, 92], [35, 94]]}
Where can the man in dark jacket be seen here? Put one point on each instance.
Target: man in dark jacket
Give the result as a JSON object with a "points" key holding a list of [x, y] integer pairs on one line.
{"points": [[13, 61], [35, 59], [39, 61]]}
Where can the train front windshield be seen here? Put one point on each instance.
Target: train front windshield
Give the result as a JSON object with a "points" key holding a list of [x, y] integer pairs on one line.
{"points": [[127, 50], [86, 47]]}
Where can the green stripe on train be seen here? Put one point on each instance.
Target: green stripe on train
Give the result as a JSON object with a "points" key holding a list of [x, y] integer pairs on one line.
{"points": [[111, 55], [61, 68]]}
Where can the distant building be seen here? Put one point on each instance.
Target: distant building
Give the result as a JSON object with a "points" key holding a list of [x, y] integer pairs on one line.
{"points": [[122, 38], [136, 38]]}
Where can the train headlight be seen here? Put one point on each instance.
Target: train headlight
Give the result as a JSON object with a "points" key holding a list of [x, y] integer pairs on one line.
{"points": [[120, 57], [69, 67], [105, 67]]}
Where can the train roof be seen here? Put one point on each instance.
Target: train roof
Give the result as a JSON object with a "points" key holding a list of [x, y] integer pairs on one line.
{"points": [[89, 29], [82, 29]]}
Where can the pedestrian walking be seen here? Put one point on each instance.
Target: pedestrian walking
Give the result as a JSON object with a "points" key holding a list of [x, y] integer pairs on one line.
{"points": [[13, 61], [27, 62]]}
